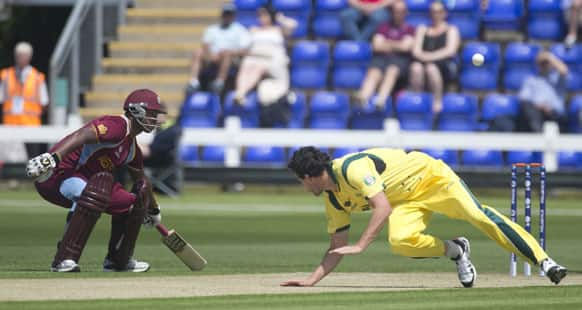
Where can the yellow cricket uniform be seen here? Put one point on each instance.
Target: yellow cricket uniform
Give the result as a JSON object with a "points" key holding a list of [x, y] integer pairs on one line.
{"points": [[416, 185]]}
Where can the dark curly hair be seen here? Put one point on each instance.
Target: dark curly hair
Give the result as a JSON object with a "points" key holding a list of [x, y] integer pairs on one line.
{"points": [[308, 161]]}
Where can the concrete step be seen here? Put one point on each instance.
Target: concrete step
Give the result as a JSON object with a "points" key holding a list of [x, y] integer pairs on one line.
{"points": [[180, 3], [114, 100], [129, 82], [172, 15], [153, 49], [146, 65], [161, 33]]}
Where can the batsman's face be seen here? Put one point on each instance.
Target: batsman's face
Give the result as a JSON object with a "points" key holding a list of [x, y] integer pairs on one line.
{"points": [[313, 185]]}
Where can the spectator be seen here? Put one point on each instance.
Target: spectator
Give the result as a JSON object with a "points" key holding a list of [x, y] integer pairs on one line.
{"points": [[542, 96], [23, 94], [573, 13], [275, 100], [392, 44], [222, 45], [267, 54], [362, 18], [434, 48]]}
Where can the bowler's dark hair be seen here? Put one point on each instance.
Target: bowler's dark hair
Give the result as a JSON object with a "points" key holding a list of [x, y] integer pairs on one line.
{"points": [[308, 161]]}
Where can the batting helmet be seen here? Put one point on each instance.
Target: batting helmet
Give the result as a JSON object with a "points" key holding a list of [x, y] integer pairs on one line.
{"points": [[139, 102]]}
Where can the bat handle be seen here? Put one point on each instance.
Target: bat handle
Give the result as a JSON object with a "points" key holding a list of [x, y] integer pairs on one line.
{"points": [[162, 229]]}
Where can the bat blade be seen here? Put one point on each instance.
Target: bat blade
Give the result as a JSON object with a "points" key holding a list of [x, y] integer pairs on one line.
{"points": [[185, 252]]}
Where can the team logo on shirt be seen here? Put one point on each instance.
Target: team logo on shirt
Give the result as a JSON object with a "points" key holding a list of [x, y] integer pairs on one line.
{"points": [[102, 129], [369, 180]]}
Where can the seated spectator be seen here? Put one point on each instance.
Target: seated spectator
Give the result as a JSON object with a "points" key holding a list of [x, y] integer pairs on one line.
{"points": [[434, 50], [391, 44], [222, 45], [267, 55], [275, 101], [573, 14], [542, 96], [362, 18]]}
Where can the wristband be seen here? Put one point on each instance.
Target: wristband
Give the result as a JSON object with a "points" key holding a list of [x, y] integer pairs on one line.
{"points": [[56, 157]]}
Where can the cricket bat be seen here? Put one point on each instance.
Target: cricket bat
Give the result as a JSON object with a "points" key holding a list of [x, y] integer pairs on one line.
{"points": [[185, 252]]}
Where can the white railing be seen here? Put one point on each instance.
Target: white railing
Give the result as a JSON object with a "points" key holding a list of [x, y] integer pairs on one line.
{"points": [[234, 138]]}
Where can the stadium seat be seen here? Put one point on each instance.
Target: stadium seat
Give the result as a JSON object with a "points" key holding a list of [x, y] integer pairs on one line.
{"points": [[327, 23], [498, 104], [545, 20], [247, 11], [523, 157], [342, 151], [189, 154], [212, 153], [200, 110], [448, 156], [465, 15], [418, 12], [414, 111], [298, 111], [569, 160], [300, 10], [482, 158], [329, 110], [368, 116], [264, 155], [350, 64], [459, 113], [573, 58], [248, 114], [519, 63], [503, 15], [575, 115], [309, 64], [484, 77]]}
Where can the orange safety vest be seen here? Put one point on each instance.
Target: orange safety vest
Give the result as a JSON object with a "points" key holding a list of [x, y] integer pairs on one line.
{"points": [[22, 106]]}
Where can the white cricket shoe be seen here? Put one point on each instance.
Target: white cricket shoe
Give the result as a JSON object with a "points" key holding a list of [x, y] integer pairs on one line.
{"points": [[67, 265], [554, 271], [132, 266], [465, 269]]}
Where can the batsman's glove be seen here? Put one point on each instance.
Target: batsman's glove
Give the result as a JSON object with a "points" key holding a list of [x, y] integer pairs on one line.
{"points": [[41, 164], [152, 218]]}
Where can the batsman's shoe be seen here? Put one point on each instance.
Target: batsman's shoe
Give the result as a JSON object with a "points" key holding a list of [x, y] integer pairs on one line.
{"points": [[554, 271], [68, 265], [132, 266], [465, 269]]}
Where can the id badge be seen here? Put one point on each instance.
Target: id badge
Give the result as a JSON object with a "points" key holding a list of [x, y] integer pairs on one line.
{"points": [[17, 105]]}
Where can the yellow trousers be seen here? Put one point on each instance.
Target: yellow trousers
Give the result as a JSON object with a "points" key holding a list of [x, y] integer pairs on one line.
{"points": [[445, 193]]}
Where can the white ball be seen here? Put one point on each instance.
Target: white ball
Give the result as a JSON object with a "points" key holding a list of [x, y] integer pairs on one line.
{"points": [[478, 59]]}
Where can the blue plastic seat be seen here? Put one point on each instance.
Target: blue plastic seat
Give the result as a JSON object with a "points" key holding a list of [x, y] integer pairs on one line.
{"points": [[459, 113], [482, 77], [298, 10], [569, 160], [342, 151], [247, 11], [503, 15], [298, 111], [327, 23], [545, 20], [200, 110], [189, 154], [523, 157], [368, 116], [264, 155], [573, 58], [465, 15], [575, 115], [482, 158], [309, 64], [418, 12], [519, 64], [498, 104], [329, 110], [212, 153], [350, 64], [414, 111], [448, 156], [248, 114]]}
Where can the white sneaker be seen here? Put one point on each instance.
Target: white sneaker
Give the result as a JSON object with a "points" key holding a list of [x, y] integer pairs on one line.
{"points": [[132, 266], [465, 269], [68, 265], [554, 271]]}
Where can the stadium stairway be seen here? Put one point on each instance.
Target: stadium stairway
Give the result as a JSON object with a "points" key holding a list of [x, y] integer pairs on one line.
{"points": [[153, 50]]}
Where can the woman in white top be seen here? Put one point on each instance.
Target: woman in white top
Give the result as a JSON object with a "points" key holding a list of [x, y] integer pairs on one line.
{"points": [[267, 54]]}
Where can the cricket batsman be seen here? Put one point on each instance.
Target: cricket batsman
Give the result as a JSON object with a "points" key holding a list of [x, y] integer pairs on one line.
{"points": [[77, 174], [404, 189]]}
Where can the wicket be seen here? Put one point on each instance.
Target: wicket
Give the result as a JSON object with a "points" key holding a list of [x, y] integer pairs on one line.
{"points": [[528, 169]]}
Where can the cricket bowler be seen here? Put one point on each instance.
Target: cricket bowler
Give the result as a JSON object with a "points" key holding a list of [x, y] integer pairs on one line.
{"points": [[77, 174], [404, 189]]}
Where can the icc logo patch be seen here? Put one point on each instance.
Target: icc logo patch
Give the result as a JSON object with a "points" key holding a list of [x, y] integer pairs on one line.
{"points": [[369, 180], [102, 129]]}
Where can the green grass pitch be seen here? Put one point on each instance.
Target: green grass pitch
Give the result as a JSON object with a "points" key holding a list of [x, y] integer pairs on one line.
{"points": [[272, 230]]}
